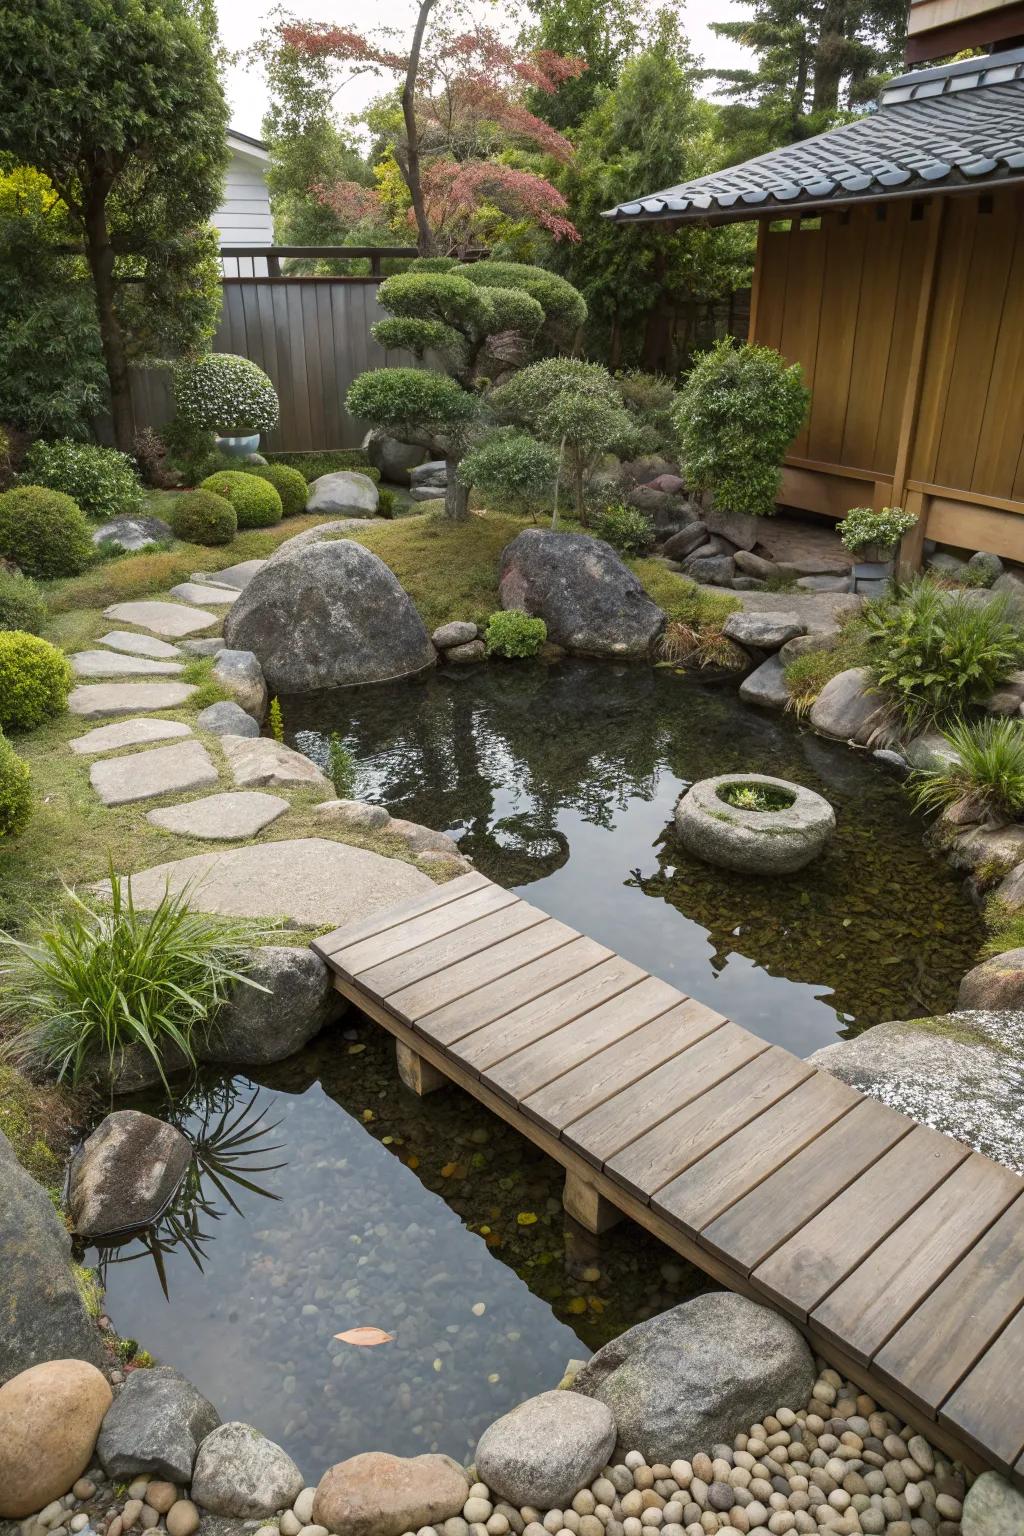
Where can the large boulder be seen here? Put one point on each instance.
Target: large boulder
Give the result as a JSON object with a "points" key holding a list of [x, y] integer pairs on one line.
{"points": [[432, 476], [41, 1307], [957, 1072], [698, 1374], [993, 1508], [126, 1174], [995, 983], [395, 460], [257, 1027], [546, 1450], [739, 528], [50, 1416], [682, 544], [155, 1427], [763, 631], [239, 1472], [848, 707], [592, 604], [343, 493], [328, 615], [380, 1495]]}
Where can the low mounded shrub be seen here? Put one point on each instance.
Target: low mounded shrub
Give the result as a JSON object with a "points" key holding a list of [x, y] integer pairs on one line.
{"points": [[287, 482], [15, 790], [987, 782], [514, 634], [44, 532], [35, 680], [512, 470], [257, 504], [224, 393], [22, 605], [312, 465], [627, 529], [101, 480], [202, 517]]}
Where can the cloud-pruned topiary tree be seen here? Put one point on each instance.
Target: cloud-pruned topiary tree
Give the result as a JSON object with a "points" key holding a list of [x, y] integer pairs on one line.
{"points": [[477, 325]]}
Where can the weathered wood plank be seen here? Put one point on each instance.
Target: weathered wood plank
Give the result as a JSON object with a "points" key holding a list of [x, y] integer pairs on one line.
{"points": [[438, 954], [423, 996], [581, 1089], [658, 1156], [945, 1336], [606, 1130], [392, 917], [749, 1155], [754, 1226], [352, 958], [988, 1405], [882, 1292]]}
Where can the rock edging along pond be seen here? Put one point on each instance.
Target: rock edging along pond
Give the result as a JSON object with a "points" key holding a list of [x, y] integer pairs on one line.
{"points": [[700, 1385]]}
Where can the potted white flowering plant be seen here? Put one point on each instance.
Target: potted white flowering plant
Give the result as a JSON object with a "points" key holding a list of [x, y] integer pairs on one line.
{"points": [[228, 395], [873, 536]]}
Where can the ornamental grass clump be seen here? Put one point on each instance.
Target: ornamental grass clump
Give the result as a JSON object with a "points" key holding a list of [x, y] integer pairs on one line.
{"points": [[95, 979], [738, 410], [985, 782], [102, 481], [224, 393], [935, 653]]}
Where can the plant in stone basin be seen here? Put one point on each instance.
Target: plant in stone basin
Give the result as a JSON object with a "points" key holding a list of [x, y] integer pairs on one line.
{"points": [[95, 979], [755, 797], [987, 781]]}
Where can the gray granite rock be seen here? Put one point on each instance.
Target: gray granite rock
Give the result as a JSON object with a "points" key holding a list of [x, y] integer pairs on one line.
{"points": [[256, 1027], [114, 664], [198, 593], [742, 530], [162, 771], [204, 647], [240, 1472], [237, 576], [818, 610], [945, 563], [1010, 585], [756, 565], [957, 1072], [133, 533], [172, 620], [766, 685], [995, 984], [804, 645], [848, 708], [1010, 890], [226, 718], [125, 1174], [763, 631], [994, 847], [422, 839], [993, 1508], [546, 1449], [458, 632], [240, 674], [990, 566], [376, 1494], [140, 645], [92, 701], [434, 473], [221, 818], [328, 615], [356, 814], [930, 750], [473, 650], [395, 460], [685, 542], [684, 1380], [127, 733], [44, 1317], [823, 583], [261, 761], [154, 1427], [754, 842], [592, 603], [343, 493], [714, 570]]}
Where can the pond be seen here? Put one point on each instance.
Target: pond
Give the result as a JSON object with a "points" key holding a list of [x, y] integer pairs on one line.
{"points": [[332, 1198]]}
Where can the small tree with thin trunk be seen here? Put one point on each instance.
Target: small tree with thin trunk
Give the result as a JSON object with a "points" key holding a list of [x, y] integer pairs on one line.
{"points": [[475, 333]]}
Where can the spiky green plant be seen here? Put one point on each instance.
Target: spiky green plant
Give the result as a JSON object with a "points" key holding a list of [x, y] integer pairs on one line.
{"points": [[988, 775], [96, 978], [276, 719], [341, 767]]}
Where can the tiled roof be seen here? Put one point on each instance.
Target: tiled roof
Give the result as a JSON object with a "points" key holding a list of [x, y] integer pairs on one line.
{"points": [[958, 125]]}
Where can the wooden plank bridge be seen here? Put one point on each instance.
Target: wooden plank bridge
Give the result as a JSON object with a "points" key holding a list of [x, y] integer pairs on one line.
{"points": [[897, 1250]]}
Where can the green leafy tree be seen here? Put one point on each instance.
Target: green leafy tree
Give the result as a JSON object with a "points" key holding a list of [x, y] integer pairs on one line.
{"points": [[119, 104], [478, 322], [640, 281], [604, 33], [738, 411]]}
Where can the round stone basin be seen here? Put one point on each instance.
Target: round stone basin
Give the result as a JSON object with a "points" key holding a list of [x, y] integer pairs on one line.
{"points": [[775, 828]]}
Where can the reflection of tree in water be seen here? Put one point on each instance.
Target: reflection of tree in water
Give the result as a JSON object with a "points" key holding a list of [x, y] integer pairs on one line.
{"points": [[230, 1142]]}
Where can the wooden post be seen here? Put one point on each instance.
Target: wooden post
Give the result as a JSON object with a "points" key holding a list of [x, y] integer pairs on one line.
{"points": [[583, 1203], [915, 373], [755, 285], [416, 1073]]}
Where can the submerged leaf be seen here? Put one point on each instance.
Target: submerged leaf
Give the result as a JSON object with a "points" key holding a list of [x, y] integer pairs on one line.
{"points": [[365, 1338]]}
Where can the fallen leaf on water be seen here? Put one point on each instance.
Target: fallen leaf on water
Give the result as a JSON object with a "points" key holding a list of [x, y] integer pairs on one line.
{"points": [[368, 1115], [577, 1305], [412, 1161], [453, 1171], [365, 1338]]}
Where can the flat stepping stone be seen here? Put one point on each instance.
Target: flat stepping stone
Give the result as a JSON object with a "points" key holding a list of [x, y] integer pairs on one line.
{"points": [[164, 771], [261, 760], [236, 576], [169, 619], [128, 733], [139, 645], [199, 593], [93, 700], [219, 818], [307, 881], [113, 664]]}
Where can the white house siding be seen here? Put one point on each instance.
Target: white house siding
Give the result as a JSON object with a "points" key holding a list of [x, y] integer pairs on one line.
{"points": [[244, 217]]}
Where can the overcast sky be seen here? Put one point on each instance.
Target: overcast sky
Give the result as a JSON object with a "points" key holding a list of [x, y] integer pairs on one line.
{"points": [[241, 22]]}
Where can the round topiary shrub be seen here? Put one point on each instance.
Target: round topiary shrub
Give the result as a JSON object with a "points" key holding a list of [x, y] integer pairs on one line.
{"points": [[44, 532], [102, 481], [22, 605], [288, 483], [257, 504], [224, 393], [15, 790], [202, 517], [35, 680]]}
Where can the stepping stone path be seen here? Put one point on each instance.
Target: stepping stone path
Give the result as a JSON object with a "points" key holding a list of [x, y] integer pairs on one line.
{"points": [[139, 645], [220, 818], [142, 775], [129, 733], [236, 576], [92, 701], [113, 664], [193, 592], [259, 760], [172, 620]]}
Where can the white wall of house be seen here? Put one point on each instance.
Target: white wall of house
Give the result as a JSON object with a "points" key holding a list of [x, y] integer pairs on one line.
{"points": [[244, 217]]}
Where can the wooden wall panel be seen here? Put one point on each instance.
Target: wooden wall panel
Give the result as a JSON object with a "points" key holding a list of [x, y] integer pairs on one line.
{"points": [[802, 312], [843, 252]]}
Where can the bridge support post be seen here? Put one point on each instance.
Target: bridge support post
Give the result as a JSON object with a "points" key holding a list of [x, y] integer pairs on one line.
{"points": [[416, 1073], [584, 1204]]}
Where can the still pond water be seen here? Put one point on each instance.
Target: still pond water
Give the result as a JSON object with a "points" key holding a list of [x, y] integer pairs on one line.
{"points": [[433, 1221]]}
